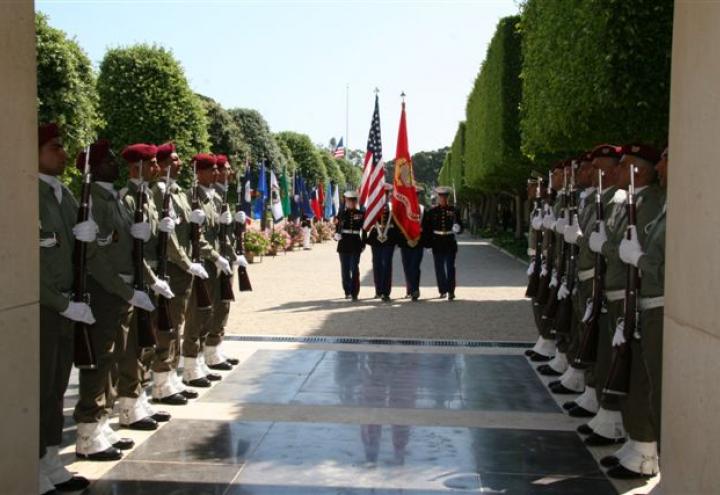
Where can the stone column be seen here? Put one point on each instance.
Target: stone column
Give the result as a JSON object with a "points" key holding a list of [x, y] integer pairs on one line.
{"points": [[690, 459], [19, 327]]}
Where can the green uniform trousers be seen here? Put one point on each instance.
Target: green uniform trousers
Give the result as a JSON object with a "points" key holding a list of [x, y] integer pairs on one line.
{"points": [[56, 361], [167, 353], [97, 390], [197, 322], [608, 322], [130, 368], [583, 291], [220, 314]]}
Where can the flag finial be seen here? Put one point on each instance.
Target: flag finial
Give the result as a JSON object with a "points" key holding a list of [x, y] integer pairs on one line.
{"points": [[377, 91], [402, 95]]}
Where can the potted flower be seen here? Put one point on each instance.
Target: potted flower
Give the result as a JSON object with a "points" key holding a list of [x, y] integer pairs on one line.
{"points": [[256, 245]]}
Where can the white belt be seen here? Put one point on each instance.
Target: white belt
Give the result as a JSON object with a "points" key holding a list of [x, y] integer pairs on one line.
{"points": [[615, 295], [128, 279], [647, 303], [442, 232], [586, 274], [350, 232]]}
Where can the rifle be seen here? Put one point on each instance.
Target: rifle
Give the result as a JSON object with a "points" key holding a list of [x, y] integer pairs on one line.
{"points": [[548, 317], [164, 320], [534, 279], [587, 352], [83, 351], [145, 331], [202, 296], [543, 293], [226, 290], [618, 380], [243, 278], [563, 319]]}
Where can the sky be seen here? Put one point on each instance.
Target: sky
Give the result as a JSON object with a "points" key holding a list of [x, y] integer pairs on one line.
{"points": [[294, 60]]}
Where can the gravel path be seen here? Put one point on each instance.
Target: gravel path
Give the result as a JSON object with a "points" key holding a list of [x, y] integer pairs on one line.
{"points": [[299, 293]]}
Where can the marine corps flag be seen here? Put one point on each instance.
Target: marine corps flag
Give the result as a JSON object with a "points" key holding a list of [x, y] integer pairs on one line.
{"points": [[405, 206]]}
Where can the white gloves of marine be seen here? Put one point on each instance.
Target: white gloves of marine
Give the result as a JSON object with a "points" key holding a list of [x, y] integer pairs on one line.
{"points": [[141, 300], [573, 232], [531, 268], [85, 231], [630, 249], [553, 281], [241, 261], [226, 218], [197, 270], [167, 225], [240, 217], [223, 265], [619, 337], [561, 224], [337, 237], [162, 288], [548, 220], [537, 222], [141, 231], [456, 228], [197, 217], [563, 292], [79, 311], [598, 239]]}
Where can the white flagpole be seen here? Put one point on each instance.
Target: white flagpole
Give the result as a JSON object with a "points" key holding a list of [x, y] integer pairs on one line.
{"points": [[347, 118]]}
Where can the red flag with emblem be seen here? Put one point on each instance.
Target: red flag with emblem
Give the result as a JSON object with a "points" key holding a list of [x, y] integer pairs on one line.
{"points": [[405, 206]]}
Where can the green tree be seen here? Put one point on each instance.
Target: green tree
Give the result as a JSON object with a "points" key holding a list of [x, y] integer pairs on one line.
{"points": [[307, 157], [352, 173], [258, 136], [225, 135], [145, 97], [287, 159], [426, 165], [334, 172]]}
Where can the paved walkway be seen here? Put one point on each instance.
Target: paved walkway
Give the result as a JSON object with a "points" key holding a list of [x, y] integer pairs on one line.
{"points": [[440, 417]]}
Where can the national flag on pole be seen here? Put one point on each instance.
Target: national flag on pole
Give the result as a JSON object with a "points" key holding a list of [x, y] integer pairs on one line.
{"points": [[372, 187], [306, 205], [339, 149], [321, 197], [246, 198], [315, 203], [285, 194], [336, 199], [259, 206], [405, 206], [275, 202], [328, 201]]}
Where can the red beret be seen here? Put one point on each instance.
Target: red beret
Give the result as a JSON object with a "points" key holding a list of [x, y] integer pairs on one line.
{"points": [[606, 150], [137, 152], [46, 132], [99, 151], [585, 157], [221, 160], [642, 151], [165, 150], [204, 161], [559, 165]]}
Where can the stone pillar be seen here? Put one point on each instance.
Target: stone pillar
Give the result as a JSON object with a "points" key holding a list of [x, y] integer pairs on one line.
{"points": [[691, 367], [19, 328]]}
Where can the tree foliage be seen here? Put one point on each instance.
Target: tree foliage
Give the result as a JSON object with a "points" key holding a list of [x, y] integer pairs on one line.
{"points": [[351, 172], [258, 136], [426, 165], [145, 97], [334, 172], [225, 135], [307, 157], [456, 171]]}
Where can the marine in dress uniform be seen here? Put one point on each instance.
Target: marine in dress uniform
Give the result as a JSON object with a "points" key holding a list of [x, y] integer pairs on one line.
{"points": [[412, 257], [382, 239], [351, 238], [58, 232], [442, 223]]}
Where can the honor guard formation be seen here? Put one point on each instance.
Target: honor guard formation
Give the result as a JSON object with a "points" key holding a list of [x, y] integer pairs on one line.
{"points": [[122, 272], [596, 280]]}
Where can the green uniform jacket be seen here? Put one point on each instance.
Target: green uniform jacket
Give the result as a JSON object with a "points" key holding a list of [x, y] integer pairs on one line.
{"points": [[150, 248], [586, 216], [226, 249], [559, 239], [111, 254], [652, 263], [210, 249], [56, 267]]}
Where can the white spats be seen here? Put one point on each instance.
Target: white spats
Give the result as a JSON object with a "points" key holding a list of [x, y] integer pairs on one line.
{"points": [[544, 347], [145, 403], [52, 467], [559, 363], [573, 379], [91, 439], [608, 424], [641, 457], [109, 433], [131, 410], [176, 383], [588, 400], [192, 370], [203, 366], [212, 355], [163, 385]]}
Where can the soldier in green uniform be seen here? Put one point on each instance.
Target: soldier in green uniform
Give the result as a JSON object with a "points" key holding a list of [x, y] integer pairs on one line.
{"points": [[197, 323], [58, 233], [212, 352], [112, 297], [608, 426], [642, 412]]}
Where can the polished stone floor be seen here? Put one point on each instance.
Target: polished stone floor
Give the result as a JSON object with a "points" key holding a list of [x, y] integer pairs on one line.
{"points": [[339, 421]]}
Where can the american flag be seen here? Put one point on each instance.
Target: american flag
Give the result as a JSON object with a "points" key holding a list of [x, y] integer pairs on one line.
{"points": [[372, 187], [339, 150]]}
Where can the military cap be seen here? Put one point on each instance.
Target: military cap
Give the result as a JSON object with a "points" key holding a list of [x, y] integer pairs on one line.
{"points": [[606, 150], [642, 151], [442, 190], [559, 165], [138, 152], [221, 160], [204, 161], [350, 195], [46, 132], [99, 151], [585, 157], [165, 150]]}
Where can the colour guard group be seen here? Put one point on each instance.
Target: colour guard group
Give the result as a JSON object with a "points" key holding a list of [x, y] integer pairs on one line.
{"points": [[596, 279], [136, 266]]}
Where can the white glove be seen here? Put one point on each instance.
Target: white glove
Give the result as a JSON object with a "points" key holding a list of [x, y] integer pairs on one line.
{"points": [[79, 311], [619, 337], [141, 300], [548, 220], [531, 268], [226, 218], [141, 231], [241, 261], [588, 311], [573, 232], [563, 292], [553, 281], [544, 270], [167, 225], [537, 222], [162, 288], [337, 237], [197, 216], [240, 217], [561, 224], [630, 249], [598, 239], [197, 270], [456, 228], [85, 231], [223, 265]]}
